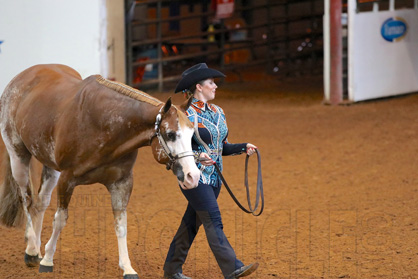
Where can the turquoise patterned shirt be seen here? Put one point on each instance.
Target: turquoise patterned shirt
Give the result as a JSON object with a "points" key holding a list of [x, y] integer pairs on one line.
{"points": [[213, 130]]}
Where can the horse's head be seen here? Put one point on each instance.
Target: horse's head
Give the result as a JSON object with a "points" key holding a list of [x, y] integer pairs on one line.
{"points": [[172, 144]]}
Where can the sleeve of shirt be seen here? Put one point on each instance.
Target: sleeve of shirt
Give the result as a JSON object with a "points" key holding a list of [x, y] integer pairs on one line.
{"points": [[233, 148]]}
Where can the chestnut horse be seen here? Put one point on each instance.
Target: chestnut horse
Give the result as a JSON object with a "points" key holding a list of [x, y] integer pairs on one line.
{"points": [[83, 132]]}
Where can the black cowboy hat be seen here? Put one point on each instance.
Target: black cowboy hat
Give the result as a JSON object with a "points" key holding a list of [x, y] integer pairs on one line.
{"points": [[195, 74]]}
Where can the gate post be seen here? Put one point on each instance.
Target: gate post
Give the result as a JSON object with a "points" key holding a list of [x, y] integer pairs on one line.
{"points": [[336, 52]]}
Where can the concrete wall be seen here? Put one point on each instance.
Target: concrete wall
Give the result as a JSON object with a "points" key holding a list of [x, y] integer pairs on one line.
{"points": [[74, 33], [116, 40]]}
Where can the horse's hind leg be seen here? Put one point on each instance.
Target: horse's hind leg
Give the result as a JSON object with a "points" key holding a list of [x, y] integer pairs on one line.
{"points": [[48, 182], [120, 192], [19, 166]]}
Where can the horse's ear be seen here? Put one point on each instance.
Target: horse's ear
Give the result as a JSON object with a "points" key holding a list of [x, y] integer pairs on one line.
{"points": [[186, 104], [167, 105]]}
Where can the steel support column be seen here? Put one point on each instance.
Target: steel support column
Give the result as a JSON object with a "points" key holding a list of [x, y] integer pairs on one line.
{"points": [[336, 49], [159, 46]]}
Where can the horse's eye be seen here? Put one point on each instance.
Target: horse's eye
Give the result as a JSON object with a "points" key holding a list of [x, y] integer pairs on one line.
{"points": [[171, 136]]}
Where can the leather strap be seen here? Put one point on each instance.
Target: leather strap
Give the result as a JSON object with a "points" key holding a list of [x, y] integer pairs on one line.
{"points": [[259, 192]]}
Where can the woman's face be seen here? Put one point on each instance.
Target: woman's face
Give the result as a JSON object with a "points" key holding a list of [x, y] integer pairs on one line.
{"points": [[206, 90]]}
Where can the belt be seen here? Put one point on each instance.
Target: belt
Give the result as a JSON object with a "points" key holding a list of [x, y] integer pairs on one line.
{"points": [[215, 152]]}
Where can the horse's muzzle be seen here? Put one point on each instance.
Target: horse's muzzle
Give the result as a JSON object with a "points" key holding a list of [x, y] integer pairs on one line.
{"points": [[187, 180]]}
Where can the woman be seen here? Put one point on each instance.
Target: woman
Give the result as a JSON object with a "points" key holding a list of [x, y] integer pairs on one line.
{"points": [[209, 144]]}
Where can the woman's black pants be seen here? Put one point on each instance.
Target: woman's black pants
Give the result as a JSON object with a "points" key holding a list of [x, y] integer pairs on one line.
{"points": [[202, 209]]}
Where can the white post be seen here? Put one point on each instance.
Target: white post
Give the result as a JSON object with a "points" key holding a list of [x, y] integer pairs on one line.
{"points": [[351, 11], [376, 7], [391, 5]]}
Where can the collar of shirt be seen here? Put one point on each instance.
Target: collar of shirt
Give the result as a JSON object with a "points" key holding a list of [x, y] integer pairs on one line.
{"points": [[201, 105]]}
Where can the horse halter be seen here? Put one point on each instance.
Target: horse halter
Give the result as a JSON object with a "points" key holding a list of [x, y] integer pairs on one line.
{"points": [[173, 158]]}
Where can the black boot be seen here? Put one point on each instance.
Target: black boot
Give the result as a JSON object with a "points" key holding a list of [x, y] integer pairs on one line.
{"points": [[178, 275], [242, 271]]}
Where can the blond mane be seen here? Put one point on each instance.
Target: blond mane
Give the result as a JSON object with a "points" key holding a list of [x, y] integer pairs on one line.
{"points": [[183, 119], [128, 91]]}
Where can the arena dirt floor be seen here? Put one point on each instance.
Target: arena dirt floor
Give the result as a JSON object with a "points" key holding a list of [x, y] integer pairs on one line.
{"points": [[340, 185]]}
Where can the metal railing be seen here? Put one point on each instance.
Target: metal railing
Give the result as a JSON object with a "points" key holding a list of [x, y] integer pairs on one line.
{"points": [[271, 41]]}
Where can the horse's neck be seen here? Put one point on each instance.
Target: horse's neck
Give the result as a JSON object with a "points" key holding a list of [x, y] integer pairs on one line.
{"points": [[129, 114], [119, 126], [141, 126], [149, 118]]}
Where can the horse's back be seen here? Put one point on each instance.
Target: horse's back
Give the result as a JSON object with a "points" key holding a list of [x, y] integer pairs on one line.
{"points": [[38, 79], [37, 89], [39, 75], [34, 100]]}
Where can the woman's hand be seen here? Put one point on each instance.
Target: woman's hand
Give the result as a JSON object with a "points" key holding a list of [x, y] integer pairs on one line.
{"points": [[205, 159], [251, 149]]}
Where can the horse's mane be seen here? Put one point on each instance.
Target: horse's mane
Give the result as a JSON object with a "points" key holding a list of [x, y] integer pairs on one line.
{"points": [[140, 96], [183, 119], [128, 91]]}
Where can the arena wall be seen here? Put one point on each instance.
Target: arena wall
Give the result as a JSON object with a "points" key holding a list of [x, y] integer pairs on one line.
{"points": [[381, 53], [74, 33], [378, 65]]}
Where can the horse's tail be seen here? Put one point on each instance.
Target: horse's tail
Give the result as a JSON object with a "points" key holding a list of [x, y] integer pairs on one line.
{"points": [[11, 206]]}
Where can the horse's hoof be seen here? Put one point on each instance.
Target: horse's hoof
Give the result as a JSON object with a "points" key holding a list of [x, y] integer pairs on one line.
{"points": [[32, 261], [45, 268], [131, 276]]}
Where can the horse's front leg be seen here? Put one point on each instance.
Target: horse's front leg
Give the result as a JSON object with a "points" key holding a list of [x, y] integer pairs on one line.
{"points": [[65, 191], [120, 192]]}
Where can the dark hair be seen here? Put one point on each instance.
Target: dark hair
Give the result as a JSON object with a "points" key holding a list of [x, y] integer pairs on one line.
{"points": [[192, 89]]}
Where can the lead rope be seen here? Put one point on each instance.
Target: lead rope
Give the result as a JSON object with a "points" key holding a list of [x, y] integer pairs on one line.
{"points": [[259, 192]]}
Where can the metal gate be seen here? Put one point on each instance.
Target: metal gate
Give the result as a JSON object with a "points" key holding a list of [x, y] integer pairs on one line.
{"points": [[381, 50], [164, 37]]}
